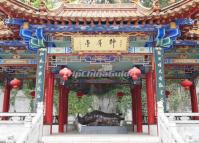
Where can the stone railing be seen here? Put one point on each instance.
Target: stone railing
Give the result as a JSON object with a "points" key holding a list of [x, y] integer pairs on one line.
{"points": [[187, 125], [14, 117], [178, 127], [30, 122], [28, 125], [34, 132]]}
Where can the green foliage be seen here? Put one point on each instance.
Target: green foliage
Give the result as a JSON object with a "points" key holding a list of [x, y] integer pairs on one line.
{"points": [[1, 84], [81, 106], [85, 104], [36, 3], [75, 105], [125, 102], [179, 99], [147, 3], [163, 3], [12, 98], [49, 4]]}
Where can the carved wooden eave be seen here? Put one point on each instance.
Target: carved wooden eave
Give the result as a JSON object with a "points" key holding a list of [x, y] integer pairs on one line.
{"points": [[129, 13], [7, 33], [4, 30], [194, 32]]}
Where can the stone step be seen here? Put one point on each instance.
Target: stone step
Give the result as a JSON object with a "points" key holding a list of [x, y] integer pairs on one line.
{"points": [[91, 138]]}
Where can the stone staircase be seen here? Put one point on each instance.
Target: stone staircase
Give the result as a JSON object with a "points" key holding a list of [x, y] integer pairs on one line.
{"points": [[100, 138]]}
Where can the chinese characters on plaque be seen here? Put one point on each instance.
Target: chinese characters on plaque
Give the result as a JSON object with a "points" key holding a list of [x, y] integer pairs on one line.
{"points": [[40, 74], [100, 43], [159, 65]]}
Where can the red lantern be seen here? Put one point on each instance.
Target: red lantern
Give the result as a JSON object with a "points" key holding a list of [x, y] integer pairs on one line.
{"points": [[134, 73], [32, 94], [186, 83], [15, 83], [79, 94], [120, 95], [167, 93], [65, 73]]}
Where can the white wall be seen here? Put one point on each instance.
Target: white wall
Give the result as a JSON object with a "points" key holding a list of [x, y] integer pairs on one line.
{"points": [[21, 104]]}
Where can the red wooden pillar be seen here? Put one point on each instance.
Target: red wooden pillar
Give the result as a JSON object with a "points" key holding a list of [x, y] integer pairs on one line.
{"points": [[6, 99], [66, 93], [155, 97], [49, 99], [139, 108], [61, 109], [194, 100], [150, 98], [46, 94], [134, 110]]}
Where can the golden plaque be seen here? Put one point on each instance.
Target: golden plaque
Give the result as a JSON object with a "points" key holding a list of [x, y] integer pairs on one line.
{"points": [[100, 43]]}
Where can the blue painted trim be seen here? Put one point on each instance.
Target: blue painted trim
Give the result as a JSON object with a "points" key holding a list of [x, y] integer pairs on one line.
{"points": [[177, 43], [29, 62], [14, 43], [184, 21], [14, 21], [186, 43], [97, 28]]}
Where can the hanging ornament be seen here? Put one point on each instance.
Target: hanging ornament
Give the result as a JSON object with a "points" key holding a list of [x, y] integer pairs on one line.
{"points": [[79, 94], [186, 84], [65, 73], [32, 94], [167, 93], [120, 94], [134, 73], [15, 83]]}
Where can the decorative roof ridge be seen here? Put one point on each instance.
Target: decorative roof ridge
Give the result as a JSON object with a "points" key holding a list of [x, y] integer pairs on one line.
{"points": [[177, 4], [100, 6], [95, 7]]}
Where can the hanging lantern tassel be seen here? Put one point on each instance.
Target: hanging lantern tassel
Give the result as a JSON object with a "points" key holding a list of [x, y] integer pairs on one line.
{"points": [[186, 84], [79, 95], [167, 93], [65, 73], [32, 94], [134, 73], [120, 95], [15, 83]]}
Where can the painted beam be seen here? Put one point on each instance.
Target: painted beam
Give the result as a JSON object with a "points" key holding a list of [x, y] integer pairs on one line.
{"points": [[18, 61], [14, 43], [98, 28], [179, 43], [186, 43], [181, 61], [18, 43]]}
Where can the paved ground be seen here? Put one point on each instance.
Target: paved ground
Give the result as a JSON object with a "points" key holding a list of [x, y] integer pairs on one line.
{"points": [[77, 138]]}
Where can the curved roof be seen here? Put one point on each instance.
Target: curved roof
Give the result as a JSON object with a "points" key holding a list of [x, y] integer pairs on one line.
{"points": [[96, 12]]}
